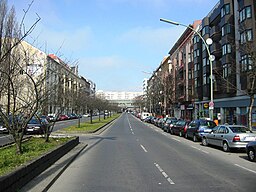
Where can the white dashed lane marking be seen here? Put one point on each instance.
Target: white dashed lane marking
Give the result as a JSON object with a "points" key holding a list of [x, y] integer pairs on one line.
{"points": [[164, 174]]}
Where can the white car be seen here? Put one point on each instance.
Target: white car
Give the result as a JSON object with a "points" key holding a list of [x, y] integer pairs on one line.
{"points": [[3, 129]]}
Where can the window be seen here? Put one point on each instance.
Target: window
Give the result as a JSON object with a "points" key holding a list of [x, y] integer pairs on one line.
{"points": [[245, 13], [246, 63], [196, 67], [196, 53], [205, 30], [206, 61], [226, 49], [204, 79], [246, 36], [189, 74], [196, 39], [196, 82], [226, 29], [203, 47], [226, 70], [225, 10]]}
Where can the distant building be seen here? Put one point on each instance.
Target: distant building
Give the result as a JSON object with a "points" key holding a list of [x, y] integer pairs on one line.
{"points": [[123, 99]]}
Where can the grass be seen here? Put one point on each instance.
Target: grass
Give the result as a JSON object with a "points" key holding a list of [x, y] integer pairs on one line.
{"points": [[87, 127], [32, 149]]}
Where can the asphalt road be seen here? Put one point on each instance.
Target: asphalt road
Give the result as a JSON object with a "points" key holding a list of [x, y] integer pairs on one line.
{"points": [[135, 156]]}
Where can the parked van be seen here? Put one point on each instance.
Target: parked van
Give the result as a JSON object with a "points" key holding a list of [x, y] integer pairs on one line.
{"points": [[144, 115]]}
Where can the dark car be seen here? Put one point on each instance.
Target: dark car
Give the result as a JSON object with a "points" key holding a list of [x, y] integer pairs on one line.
{"points": [[37, 126], [169, 124], [250, 150], [196, 128], [148, 119], [180, 127]]}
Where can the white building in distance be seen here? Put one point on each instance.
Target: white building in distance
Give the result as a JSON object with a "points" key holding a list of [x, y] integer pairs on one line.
{"points": [[122, 98]]}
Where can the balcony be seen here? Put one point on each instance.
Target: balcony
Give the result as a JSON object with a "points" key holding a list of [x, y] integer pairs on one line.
{"points": [[215, 33], [216, 65], [216, 50]]}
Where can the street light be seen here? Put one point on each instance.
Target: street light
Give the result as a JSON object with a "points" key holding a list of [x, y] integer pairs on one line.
{"points": [[211, 59]]}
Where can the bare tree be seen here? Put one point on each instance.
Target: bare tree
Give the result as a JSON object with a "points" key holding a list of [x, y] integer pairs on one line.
{"points": [[17, 104]]}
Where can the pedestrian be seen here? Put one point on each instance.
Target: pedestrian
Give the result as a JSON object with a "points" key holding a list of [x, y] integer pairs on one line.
{"points": [[216, 121]]}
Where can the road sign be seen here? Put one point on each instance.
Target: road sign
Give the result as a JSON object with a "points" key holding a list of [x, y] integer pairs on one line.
{"points": [[211, 104], [206, 105]]}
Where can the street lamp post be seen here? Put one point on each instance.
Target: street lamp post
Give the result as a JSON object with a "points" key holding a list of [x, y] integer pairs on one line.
{"points": [[206, 42]]}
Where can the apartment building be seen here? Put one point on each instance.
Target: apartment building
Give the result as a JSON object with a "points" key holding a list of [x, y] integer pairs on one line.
{"points": [[67, 87], [231, 25], [57, 85], [181, 58]]}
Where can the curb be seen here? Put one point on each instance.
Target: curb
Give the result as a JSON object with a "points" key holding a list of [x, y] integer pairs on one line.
{"points": [[20, 177]]}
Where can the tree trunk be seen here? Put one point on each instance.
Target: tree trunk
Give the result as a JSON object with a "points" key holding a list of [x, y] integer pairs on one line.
{"points": [[99, 115], [91, 116], [18, 143], [250, 112]]}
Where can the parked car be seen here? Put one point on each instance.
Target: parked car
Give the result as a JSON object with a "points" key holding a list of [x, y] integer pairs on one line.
{"points": [[144, 115], [3, 128], [169, 124], [229, 136], [73, 116], [52, 117], [148, 119], [37, 126], [196, 128], [250, 150], [180, 127], [63, 117], [161, 122]]}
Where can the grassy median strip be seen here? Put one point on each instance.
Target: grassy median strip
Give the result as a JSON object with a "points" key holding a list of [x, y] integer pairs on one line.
{"points": [[89, 127], [35, 147], [32, 149]]}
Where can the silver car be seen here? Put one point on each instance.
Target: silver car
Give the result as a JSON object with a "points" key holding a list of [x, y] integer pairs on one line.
{"points": [[229, 136]]}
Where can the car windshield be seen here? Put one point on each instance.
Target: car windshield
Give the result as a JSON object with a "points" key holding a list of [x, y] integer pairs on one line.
{"points": [[239, 129], [34, 121], [182, 123], [209, 124], [171, 121]]}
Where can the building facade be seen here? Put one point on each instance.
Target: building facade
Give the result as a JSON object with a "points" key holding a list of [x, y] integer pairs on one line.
{"points": [[231, 27]]}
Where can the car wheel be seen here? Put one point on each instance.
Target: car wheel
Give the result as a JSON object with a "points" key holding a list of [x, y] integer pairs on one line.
{"points": [[204, 142], [194, 138], [225, 147], [251, 155], [180, 134]]}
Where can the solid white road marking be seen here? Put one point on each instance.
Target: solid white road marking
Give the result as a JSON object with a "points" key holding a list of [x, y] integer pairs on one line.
{"points": [[245, 168], [176, 139], [164, 174], [200, 149], [144, 148]]}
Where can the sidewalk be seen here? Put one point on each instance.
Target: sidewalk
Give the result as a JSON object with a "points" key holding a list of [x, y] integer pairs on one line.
{"points": [[44, 181]]}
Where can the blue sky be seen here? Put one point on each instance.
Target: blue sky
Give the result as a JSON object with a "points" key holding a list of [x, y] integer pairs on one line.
{"points": [[112, 41]]}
